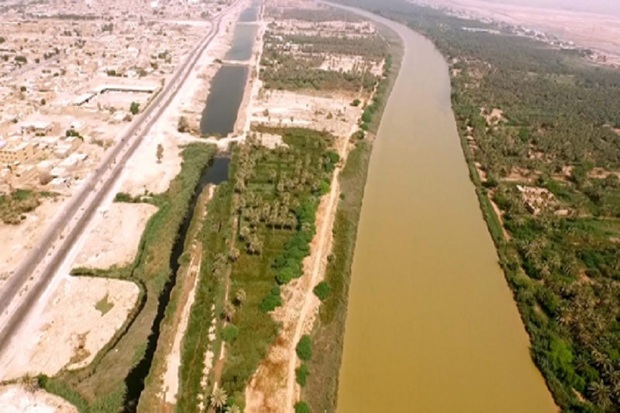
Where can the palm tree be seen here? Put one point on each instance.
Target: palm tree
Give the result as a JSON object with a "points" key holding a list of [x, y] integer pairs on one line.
{"points": [[233, 409], [255, 245], [233, 255], [616, 391], [599, 393], [218, 399], [228, 311], [240, 296], [244, 233]]}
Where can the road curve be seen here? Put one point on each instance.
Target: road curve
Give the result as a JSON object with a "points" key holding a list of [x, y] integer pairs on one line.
{"points": [[83, 205]]}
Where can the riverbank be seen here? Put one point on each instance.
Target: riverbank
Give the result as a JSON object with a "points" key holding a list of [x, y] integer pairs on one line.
{"points": [[306, 100], [320, 391], [548, 194], [420, 208]]}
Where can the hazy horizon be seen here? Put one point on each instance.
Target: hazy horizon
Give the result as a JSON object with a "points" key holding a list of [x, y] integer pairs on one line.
{"points": [[592, 6]]}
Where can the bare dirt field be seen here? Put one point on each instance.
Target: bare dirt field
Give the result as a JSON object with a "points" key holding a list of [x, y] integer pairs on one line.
{"points": [[115, 238], [588, 25], [330, 112], [17, 240], [66, 338], [19, 399]]}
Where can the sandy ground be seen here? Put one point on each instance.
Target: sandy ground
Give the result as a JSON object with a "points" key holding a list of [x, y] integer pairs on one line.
{"points": [[346, 63], [104, 247], [71, 339], [330, 112], [598, 31], [55, 338], [143, 172], [19, 399], [17, 240]]}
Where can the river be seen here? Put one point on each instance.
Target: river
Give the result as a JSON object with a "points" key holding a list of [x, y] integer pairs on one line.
{"points": [[432, 326]]}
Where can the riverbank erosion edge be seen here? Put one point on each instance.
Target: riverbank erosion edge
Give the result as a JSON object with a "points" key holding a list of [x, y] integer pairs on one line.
{"points": [[321, 388]]}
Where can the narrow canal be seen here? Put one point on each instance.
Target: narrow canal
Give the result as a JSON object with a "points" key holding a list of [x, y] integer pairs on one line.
{"points": [[215, 173], [431, 326], [243, 40], [222, 108], [228, 85]]}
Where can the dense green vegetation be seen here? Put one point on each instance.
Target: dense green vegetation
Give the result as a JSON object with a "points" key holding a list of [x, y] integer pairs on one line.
{"points": [[276, 196], [215, 236], [562, 260], [304, 348], [102, 386], [293, 61], [312, 15]]}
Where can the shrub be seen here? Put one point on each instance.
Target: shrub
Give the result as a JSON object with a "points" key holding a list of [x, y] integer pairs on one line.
{"points": [[360, 134], [304, 348], [301, 407], [301, 374], [229, 333], [134, 108], [322, 290], [356, 102], [183, 125], [271, 301]]}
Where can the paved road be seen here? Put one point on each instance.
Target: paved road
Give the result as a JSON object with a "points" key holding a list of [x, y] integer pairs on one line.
{"points": [[42, 262]]}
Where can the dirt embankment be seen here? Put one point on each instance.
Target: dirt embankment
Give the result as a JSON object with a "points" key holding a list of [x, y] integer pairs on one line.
{"points": [[22, 399], [105, 246]]}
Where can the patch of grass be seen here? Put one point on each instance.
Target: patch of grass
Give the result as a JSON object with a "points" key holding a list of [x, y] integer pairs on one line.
{"points": [[13, 206], [104, 305], [229, 333], [327, 337]]}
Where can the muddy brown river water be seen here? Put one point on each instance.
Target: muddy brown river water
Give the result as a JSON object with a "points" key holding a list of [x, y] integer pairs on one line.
{"points": [[431, 326]]}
